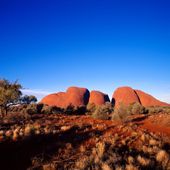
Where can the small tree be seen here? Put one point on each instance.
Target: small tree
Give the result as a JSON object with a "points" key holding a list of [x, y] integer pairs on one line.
{"points": [[28, 99], [9, 94]]}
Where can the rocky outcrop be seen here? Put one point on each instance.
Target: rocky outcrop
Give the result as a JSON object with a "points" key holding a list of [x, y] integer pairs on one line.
{"points": [[148, 100], [124, 95], [127, 95], [56, 99], [75, 96], [98, 98]]}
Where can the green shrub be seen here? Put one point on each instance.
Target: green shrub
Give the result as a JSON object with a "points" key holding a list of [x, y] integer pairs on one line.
{"points": [[46, 109], [40, 107], [32, 109], [81, 110], [123, 111], [102, 112], [120, 113], [91, 107], [51, 110], [69, 110], [137, 108], [158, 109]]}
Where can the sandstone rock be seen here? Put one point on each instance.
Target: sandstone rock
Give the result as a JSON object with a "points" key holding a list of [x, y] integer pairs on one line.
{"points": [[148, 100], [98, 98], [77, 96], [124, 95], [73, 96], [56, 99]]}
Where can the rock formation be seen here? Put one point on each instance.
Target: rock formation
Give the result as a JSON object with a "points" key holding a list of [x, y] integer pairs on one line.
{"points": [[127, 95], [77, 97], [148, 100], [98, 98], [56, 99], [73, 96], [124, 95]]}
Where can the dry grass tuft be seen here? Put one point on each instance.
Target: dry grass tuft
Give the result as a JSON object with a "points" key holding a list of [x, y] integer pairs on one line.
{"points": [[106, 167], [100, 148], [163, 157], [143, 161], [131, 167]]}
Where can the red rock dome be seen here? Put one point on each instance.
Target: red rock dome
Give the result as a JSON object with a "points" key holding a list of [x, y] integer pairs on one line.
{"points": [[124, 95], [98, 98], [148, 100], [127, 95], [73, 96], [77, 96], [56, 99]]}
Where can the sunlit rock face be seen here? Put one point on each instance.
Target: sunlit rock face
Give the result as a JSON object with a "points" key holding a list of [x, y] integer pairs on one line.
{"points": [[75, 96], [98, 98], [56, 99], [127, 95], [148, 100], [124, 95]]}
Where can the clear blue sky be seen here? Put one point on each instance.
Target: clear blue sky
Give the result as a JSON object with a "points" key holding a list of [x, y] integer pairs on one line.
{"points": [[49, 45]]}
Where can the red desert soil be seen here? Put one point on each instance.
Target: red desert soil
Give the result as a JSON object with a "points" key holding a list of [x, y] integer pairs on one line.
{"points": [[63, 140], [159, 124]]}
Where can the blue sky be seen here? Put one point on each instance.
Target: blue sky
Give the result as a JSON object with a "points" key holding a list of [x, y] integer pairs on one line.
{"points": [[49, 45]]}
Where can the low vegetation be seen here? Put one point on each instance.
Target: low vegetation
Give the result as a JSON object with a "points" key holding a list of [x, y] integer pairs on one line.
{"points": [[100, 112], [11, 95], [122, 112], [36, 136], [54, 141]]}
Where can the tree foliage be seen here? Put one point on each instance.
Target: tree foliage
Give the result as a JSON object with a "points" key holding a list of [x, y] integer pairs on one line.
{"points": [[10, 92], [28, 99]]}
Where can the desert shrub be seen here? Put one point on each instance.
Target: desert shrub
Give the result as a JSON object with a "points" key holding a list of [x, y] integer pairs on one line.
{"points": [[46, 109], [69, 110], [103, 112], [120, 113], [137, 108], [31, 109], [123, 111], [56, 110], [81, 110], [40, 107], [51, 110], [154, 110], [17, 117], [18, 108], [91, 107], [158, 109]]}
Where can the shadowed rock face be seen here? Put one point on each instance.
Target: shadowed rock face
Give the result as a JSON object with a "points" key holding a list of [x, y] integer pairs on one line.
{"points": [[127, 95], [148, 100], [124, 95], [98, 98], [73, 96]]}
